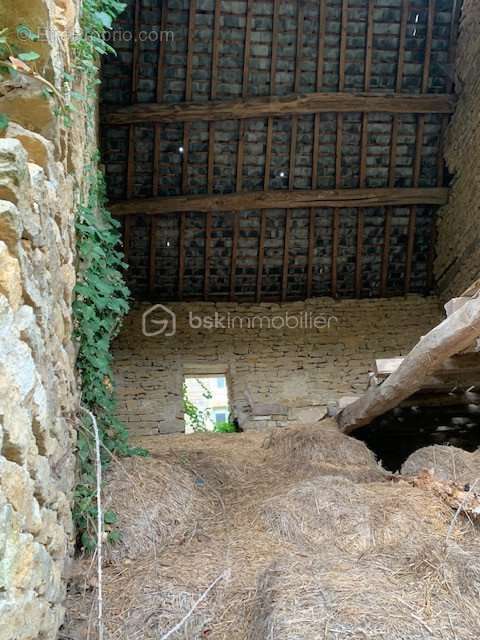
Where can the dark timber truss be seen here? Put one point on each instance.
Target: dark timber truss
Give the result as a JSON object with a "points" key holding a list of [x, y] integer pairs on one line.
{"points": [[280, 149]]}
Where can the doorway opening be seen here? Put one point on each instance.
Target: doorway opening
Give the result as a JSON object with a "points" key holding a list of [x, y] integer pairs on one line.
{"points": [[206, 403]]}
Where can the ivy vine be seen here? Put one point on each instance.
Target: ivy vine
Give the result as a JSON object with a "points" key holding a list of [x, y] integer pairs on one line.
{"points": [[101, 302], [101, 293]]}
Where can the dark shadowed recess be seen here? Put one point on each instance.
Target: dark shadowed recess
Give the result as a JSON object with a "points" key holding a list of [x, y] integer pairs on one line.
{"points": [[400, 432]]}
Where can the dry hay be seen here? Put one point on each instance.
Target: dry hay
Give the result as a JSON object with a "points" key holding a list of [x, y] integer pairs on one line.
{"points": [[320, 448], [306, 548], [447, 463], [158, 502], [329, 596], [354, 517]]}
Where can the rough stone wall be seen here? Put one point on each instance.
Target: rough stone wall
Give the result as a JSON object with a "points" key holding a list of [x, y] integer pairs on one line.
{"points": [[458, 249], [39, 170], [303, 368]]}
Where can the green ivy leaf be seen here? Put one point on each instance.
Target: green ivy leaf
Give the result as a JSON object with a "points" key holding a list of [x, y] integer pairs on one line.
{"points": [[110, 517], [3, 121], [104, 19], [28, 56], [25, 32]]}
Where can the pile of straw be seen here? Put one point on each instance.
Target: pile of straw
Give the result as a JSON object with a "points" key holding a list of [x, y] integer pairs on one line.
{"points": [[296, 534], [354, 518], [158, 502], [446, 463], [376, 596]]}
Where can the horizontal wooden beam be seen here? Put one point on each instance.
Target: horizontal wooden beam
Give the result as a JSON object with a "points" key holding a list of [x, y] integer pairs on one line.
{"points": [[270, 106], [281, 200]]}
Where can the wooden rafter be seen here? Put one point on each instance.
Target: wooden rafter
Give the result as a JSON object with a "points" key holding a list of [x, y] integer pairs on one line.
{"points": [[425, 76], [152, 250], [286, 253], [250, 200], [296, 90], [272, 106], [207, 253], [294, 105], [359, 252], [261, 254], [311, 251], [412, 223], [319, 84], [387, 227], [417, 163], [246, 67], [181, 253], [188, 90], [273, 71], [393, 146], [338, 147], [431, 252], [341, 87], [213, 92], [364, 151], [134, 90], [159, 96], [335, 243], [233, 264], [131, 130], [366, 87], [152, 245]]}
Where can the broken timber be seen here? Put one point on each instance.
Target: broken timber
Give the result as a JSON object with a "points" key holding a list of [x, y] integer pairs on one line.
{"points": [[454, 334]]}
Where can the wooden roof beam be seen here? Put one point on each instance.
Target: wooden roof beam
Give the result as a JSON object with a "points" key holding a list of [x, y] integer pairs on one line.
{"points": [[282, 200], [273, 106]]}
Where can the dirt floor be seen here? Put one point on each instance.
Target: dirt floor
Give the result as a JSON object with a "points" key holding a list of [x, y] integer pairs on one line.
{"points": [[302, 535]]}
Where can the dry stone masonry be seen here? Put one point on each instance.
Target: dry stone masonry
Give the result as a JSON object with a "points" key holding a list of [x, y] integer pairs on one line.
{"points": [[302, 368], [458, 262], [39, 185]]}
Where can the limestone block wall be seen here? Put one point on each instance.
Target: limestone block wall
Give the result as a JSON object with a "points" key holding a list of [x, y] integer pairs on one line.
{"points": [[302, 354], [458, 249], [40, 181]]}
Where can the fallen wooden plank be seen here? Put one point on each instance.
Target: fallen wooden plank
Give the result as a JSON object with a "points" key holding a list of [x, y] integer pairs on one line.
{"points": [[461, 363], [249, 200], [472, 290], [273, 106], [452, 335], [454, 304]]}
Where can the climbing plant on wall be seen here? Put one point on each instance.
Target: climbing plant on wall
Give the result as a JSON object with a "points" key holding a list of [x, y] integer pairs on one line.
{"points": [[101, 292]]}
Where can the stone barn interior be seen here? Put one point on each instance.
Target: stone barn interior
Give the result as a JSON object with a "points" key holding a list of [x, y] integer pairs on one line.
{"points": [[240, 319], [283, 162]]}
